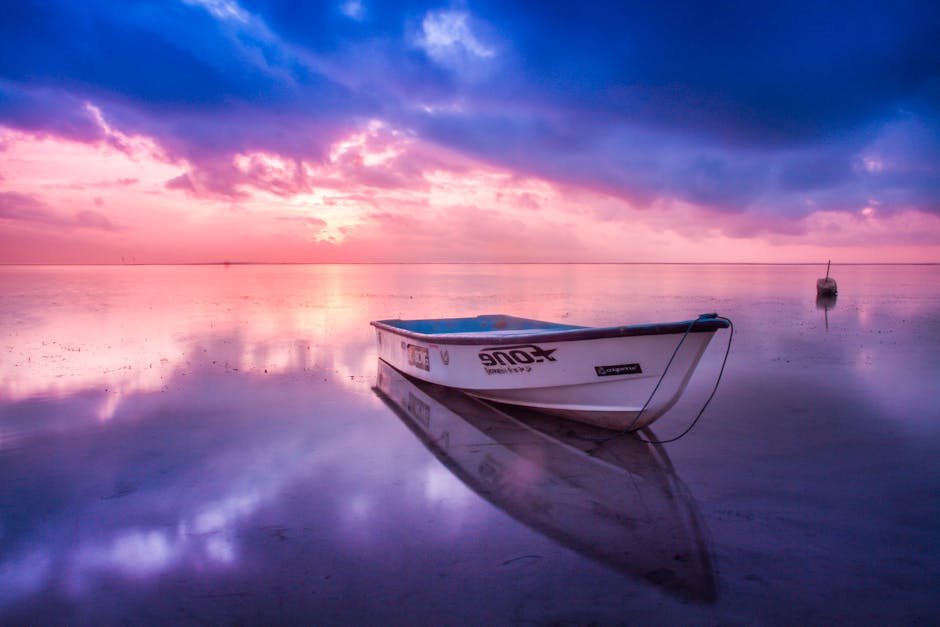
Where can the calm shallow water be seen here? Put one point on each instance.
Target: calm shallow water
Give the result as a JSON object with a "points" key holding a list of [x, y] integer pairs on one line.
{"points": [[207, 444]]}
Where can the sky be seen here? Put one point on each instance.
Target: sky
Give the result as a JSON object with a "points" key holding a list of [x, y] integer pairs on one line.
{"points": [[195, 131]]}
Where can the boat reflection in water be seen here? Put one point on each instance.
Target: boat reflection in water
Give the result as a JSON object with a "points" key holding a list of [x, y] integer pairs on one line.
{"points": [[826, 302], [619, 502]]}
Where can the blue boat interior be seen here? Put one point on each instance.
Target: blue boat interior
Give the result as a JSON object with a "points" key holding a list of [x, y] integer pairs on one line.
{"points": [[502, 329], [478, 324]]}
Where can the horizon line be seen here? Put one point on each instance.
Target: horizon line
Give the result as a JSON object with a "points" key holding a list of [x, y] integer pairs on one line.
{"points": [[477, 263]]}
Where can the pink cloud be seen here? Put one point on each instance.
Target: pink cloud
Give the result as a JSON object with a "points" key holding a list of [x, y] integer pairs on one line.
{"points": [[381, 195], [26, 209]]}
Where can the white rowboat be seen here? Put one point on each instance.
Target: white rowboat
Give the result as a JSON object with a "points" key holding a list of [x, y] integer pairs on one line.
{"points": [[602, 376]]}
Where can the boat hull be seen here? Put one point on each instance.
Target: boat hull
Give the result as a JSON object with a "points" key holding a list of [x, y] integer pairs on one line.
{"points": [[576, 373]]}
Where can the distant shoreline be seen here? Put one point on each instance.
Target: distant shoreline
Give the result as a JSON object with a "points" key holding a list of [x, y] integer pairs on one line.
{"points": [[480, 263]]}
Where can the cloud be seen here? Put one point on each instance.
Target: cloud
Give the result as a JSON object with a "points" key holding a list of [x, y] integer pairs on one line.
{"points": [[93, 220], [311, 222], [222, 9], [447, 38], [375, 157], [47, 111], [756, 116], [238, 177], [353, 9], [14, 206], [29, 210]]}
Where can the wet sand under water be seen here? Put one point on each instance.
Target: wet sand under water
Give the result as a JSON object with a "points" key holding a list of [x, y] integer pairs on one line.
{"points": [[212, 444]]}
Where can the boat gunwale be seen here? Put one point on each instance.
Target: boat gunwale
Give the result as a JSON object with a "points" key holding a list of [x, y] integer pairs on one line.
{"points": [[706, 325]]}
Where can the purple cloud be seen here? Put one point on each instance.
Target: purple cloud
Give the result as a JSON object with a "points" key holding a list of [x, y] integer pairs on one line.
{"points": [[26, 209]]}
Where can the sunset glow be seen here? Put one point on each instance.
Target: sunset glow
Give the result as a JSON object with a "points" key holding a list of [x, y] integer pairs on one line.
{"points": [[362, 133]]}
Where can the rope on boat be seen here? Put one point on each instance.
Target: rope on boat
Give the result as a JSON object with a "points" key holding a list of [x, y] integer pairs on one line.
{"points": [[708, 316], [721, 371]]}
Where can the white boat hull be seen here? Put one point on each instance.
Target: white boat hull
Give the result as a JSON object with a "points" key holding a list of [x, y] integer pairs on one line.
{"points": [[603, 381]]}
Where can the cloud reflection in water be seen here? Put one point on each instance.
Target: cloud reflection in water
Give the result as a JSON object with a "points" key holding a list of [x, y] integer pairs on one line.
{"points": [[148, 462], [169, 485]]}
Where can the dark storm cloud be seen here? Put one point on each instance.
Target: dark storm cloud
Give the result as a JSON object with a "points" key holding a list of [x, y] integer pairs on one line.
{"points": [[741, 72]]}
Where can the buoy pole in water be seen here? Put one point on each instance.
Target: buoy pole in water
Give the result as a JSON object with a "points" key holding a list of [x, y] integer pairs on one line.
{"points": [[826, 294], [826, 286]]}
